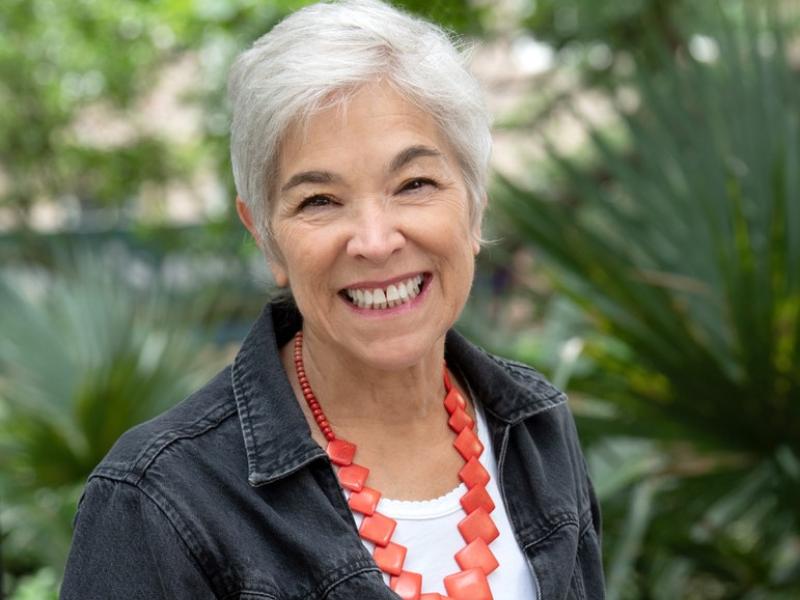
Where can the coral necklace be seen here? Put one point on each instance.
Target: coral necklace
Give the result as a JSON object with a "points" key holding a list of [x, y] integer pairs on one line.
{"points": [[477, 528]]}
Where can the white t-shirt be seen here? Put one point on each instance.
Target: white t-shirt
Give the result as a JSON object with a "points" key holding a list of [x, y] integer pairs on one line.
{"points": [[429, 530]]}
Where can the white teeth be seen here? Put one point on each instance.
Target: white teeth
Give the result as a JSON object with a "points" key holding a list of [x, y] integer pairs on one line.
{"points": [[393, 295], [379, 298], [413, 286]]}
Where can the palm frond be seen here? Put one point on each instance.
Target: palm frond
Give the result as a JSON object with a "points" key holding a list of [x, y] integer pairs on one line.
{"points": [[85, 355], [681, 241]]}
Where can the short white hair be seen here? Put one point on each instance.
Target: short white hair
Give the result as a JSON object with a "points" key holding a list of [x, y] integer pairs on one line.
{"points": [[321, 54]]}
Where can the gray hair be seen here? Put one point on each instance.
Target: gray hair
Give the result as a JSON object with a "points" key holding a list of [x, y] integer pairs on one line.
{"points": [[317, 56]]}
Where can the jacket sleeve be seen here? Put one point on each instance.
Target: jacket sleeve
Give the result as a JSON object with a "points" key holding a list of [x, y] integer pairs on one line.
{"points": [[597, 518], [124, 547]]}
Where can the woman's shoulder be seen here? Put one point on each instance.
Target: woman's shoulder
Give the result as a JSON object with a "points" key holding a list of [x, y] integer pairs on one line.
{"points": [[512, 390], [194, 422], [528, 375]]}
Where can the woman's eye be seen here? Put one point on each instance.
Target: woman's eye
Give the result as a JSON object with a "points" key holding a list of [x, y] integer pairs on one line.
{"points": [[416, 184], [315, 201]]}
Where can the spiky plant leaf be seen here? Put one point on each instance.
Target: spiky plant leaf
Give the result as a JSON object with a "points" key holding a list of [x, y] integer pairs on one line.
{"points": [[682, 243], [85, 354]]}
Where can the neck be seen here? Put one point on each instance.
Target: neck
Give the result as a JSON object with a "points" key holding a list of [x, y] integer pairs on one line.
{"points": [[356, 395], [395, 417]]}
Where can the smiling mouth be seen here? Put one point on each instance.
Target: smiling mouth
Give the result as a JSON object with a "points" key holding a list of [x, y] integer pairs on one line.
{"points": [[401, 292]]}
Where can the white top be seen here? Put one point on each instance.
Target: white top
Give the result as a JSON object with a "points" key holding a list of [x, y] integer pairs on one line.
{"points": [[428, 528]]}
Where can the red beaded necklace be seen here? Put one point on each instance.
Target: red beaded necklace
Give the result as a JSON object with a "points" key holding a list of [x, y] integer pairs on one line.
{"points": [[477, 528]]}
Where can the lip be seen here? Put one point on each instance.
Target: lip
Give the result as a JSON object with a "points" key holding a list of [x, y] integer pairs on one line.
{"points": [[395, 310], [385, 283]]}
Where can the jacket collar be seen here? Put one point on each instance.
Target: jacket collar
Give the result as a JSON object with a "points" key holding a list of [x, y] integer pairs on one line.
{"points": [[276, 435]]}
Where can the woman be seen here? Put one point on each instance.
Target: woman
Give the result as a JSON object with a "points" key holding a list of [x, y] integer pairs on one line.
{"points": [[357, 448]]}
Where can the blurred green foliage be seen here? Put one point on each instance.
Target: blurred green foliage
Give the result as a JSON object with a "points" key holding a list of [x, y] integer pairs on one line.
{"points": [[59, 58], [85, 354], [620, 25], [677, 231]]}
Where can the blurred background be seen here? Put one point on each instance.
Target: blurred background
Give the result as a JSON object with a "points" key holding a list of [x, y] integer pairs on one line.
{"points": [[645, 212]]}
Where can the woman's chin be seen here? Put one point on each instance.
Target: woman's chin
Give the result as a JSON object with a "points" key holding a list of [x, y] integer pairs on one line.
{"points": [[394, 356]]}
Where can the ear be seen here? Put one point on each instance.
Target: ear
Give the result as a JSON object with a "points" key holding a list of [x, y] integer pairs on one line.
{"points": [[246, 217], [476, 229], [279, 273]]}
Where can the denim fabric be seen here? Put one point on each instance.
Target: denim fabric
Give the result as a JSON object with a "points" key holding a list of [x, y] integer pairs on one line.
{"points": [[227, 496]]}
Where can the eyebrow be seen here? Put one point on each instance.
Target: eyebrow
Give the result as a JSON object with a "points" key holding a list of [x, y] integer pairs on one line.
{"points": [[404, 157], [310, 177], [410, 154]]}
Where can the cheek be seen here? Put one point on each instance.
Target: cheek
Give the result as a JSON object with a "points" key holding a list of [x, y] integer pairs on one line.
{"points": [[460, 262], [304, 257]]}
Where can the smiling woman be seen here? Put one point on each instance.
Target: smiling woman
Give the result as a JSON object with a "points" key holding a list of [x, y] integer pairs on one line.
{"points": [[392, 206], [358, 447]]}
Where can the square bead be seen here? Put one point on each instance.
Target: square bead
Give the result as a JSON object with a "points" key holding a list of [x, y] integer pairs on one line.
{"points": [[377, 528], [468, 585], [478, 524], [407, 585], [365, 501], [477, 554], [473, 473], [468, 444], [352, 477], [454, 400], [341, 452], [460, 419], [390, 558], [477, 496]]}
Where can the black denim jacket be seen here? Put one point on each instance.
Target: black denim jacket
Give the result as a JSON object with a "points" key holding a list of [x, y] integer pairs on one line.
{"points": [[227, 496]]}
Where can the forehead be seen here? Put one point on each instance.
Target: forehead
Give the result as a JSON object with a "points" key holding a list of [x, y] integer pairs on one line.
{"points": [[366, 128]]}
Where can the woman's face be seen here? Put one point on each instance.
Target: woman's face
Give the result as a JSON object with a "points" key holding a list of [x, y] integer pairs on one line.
{"points": [[372, 231]]}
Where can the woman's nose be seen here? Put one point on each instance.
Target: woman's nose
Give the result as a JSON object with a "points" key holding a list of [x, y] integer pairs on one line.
{"points": [[375, 234]]}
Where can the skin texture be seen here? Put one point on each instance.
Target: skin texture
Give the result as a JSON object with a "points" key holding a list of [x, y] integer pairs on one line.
{"points": [[378, 377]]}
